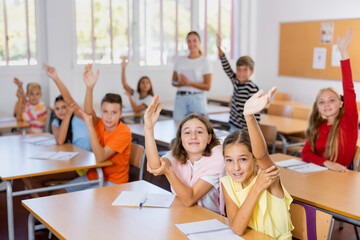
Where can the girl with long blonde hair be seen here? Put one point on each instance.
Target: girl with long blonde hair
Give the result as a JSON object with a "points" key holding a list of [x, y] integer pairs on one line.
{"points": [[333, 124]]}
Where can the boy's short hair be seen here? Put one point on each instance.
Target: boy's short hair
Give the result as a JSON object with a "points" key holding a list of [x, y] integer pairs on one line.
{"points": [[245, 61], [32, 86], [112, 98]]}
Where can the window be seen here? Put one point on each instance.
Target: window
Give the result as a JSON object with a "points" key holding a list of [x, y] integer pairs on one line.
{"points": [[216, 17], [102, 30], [17, 32], [163, 28]]}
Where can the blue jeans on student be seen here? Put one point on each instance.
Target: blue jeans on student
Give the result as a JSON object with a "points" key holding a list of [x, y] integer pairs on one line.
{"points": [[189, 102], [83, 178]]}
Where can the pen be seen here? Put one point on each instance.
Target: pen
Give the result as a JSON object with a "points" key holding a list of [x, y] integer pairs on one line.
{"points": [[142, 203]]}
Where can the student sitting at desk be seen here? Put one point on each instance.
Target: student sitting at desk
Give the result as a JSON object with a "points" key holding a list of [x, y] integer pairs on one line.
{"points": [[333, 123], [243, 87], [110, 139], [195, 163], [254, 195], [142, 97], [30, 109]]}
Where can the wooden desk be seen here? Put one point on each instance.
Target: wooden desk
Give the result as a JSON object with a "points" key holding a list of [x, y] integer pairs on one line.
{"points": [[168, 108], [223, 101], [15, 163], [335, 192], [285, 126], [89, 215], [8, 122]]}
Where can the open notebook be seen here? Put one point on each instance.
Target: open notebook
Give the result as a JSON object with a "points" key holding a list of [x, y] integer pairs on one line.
{"points": [[300, 166], [143, 199], [208, 229], [55, 155]]}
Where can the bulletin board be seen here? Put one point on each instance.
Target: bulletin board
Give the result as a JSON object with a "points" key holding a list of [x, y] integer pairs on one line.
{"points": [[300, 41]]}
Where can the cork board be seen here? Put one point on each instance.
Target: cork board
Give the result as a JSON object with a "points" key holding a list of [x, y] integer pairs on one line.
{"points": [[299, 39]]}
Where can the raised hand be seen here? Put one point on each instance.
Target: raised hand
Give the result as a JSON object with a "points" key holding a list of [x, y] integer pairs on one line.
{"points": [[90, 78], [164, 167], [51, 72], [267, 177], [152, 113], [344, 43], [18, 83], [258, 101], [124, 62]]}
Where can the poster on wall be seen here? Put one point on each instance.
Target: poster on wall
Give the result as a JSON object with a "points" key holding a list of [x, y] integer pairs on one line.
{"points": [[335, 56], [319, 58], [327, 32]]}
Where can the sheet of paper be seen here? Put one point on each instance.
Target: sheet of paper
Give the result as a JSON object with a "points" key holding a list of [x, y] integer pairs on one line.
{"points": [[335, 56], [208, 229], [159, 200], [37, 140], [290, 163], [128, 198], [54, 155], [319, 58], [7, 119], [307, 168]]}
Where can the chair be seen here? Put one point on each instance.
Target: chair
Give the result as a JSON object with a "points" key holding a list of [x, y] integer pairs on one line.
{"points": [[284, 97], [355, 163], [301, 113], [280, 110], [137, 160], [309, 222], [50, 117], [270, 133]]}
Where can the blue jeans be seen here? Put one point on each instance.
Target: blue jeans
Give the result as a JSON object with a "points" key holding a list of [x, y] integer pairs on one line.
{"points": [[83, 178], [190, 103]]}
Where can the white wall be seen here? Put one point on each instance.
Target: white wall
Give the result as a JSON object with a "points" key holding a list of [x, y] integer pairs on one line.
{"points": [[269, 16]]}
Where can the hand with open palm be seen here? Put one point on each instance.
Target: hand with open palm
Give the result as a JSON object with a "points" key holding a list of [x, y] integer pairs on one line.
{"points": [[152, 113], [90, 78], [258, 101]]}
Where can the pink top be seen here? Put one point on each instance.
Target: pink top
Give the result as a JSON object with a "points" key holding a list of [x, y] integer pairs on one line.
{"points": [[205, 168]]}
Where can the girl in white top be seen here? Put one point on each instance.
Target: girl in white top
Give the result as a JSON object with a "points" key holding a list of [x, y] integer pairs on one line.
{"points": [[142, 97], [192, 76], [195, 163]]}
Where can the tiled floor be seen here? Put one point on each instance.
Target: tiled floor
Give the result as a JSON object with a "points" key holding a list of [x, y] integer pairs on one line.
{"points": [[21, 215]]}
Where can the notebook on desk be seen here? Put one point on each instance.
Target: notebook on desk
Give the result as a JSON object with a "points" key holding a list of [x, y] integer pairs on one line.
{"points": [[300, 166], [143, 199]]}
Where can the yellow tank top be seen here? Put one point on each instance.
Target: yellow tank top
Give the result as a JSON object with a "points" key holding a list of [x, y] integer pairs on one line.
{"points": [[271, 214]]}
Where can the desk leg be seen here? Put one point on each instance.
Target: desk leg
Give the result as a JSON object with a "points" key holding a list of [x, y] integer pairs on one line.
{"points": [[31, 229], [100, 176], [10, 210]]}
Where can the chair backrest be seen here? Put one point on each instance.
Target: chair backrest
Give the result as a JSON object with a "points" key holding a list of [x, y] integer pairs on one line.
{"points": [[270, 133], [280, 110], [301, 113], [356, 161], [50, 117], [281, 96], [137, 158], [309, 222]]}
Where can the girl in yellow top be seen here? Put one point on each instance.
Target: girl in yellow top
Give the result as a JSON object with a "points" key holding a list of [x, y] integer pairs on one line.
{"points": [[254, 195]]}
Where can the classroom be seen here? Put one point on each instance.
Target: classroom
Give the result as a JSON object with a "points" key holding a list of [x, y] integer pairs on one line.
{"points": [[152, 34]]}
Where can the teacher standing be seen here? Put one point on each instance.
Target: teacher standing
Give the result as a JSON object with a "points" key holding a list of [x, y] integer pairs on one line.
{"points": [[192, 77]]}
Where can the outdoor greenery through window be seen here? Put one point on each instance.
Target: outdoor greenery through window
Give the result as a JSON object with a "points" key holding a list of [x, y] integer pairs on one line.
{"points": [[17, 32], [102, 30]]}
